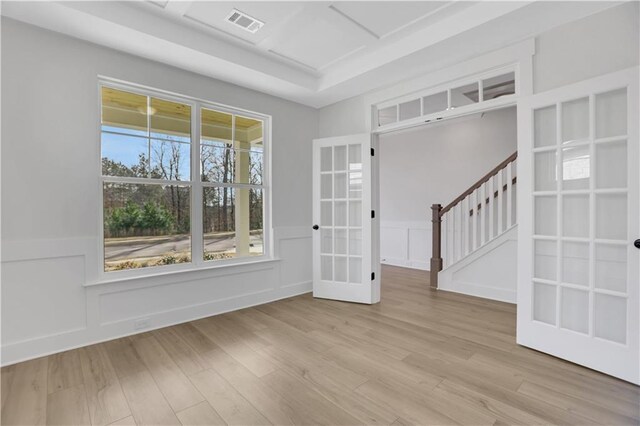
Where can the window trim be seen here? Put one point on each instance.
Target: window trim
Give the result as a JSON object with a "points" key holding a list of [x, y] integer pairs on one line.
{"points": [[195, 183]]}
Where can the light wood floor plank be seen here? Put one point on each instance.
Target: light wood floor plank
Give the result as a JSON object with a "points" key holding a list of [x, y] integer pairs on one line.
{"points": [[127, 421], [174, 385], [25, 402], [148, 405], [201, 414], [105, 398], [68, 407], [64, 371]]}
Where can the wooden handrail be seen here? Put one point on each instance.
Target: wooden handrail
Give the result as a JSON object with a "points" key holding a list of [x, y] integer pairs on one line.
{"points": [[479, 183], [437, 212]]}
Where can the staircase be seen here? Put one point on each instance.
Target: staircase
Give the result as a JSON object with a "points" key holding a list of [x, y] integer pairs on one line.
{"points": [[474, 237]]}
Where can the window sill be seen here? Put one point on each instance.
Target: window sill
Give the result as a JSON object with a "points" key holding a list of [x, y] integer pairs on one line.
{"points": [[177, 272]]}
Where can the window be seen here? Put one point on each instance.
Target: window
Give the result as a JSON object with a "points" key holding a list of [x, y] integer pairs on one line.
{"points": [[182, 182]]}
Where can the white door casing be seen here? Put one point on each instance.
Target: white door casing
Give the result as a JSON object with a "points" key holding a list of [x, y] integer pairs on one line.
{"points": [[342, 254], [578, 215]]}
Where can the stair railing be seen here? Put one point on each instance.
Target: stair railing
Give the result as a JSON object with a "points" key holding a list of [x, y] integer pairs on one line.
{"points": [[464, 225]]}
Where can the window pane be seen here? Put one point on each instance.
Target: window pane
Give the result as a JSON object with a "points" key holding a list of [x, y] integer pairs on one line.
{"points": [[124, 155], [232, 222], [146, 225], [170, 160], [496, 87], [249, 150], [388, 115], [217, 163], [124, 112], [465, 95], [435, 103], [170, 120], [410, 109], [215, 127]]}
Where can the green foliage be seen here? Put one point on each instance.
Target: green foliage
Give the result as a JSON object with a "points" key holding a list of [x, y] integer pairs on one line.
{"points": [[131, 220]]}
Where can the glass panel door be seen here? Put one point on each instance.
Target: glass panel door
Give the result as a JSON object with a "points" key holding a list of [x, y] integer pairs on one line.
{"points": [[581, 300], [343, 233]]}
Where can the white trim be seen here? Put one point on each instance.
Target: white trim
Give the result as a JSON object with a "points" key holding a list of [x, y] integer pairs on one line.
{"points": [[195, 185]]}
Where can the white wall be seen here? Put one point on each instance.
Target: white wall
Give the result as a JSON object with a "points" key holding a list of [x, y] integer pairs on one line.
{"points": [[434, 164], [50, 181]]}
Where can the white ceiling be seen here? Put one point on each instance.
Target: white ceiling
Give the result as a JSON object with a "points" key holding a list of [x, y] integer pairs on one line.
{"points": [[315, 53]]}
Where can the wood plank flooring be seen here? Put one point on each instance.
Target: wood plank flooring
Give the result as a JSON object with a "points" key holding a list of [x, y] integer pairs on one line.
{"points": [[420, 357]]}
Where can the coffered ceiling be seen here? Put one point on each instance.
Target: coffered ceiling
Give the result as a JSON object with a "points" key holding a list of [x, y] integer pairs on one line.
{"points": [[312, 52]]}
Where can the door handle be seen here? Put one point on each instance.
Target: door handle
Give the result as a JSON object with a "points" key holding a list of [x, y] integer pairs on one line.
{"points": [[316, 227], [637, 243]]}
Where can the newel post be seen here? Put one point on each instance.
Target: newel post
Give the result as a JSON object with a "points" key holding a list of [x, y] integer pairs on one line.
{"points": [[436, 259]]}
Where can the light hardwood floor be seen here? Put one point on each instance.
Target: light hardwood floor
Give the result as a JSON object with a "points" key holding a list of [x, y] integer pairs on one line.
{"points": [[419, 357]]}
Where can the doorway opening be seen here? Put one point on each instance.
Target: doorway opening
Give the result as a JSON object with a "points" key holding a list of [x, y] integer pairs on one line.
{"points": [[444, 163]]}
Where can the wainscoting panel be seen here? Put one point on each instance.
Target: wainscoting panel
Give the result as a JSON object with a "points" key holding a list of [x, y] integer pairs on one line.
{"points": [[47, 306], [406, 244]]}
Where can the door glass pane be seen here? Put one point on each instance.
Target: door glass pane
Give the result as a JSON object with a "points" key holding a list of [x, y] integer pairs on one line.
{"points": [[575, 216], [611, 317], [326, 268], [611, 267], [575, 263], [355, 171], [495, 87], [464, 95], [355, 213], [435, 103], [611, 164], [544, 122], [340, 187], [326, 159], [326, 186], [545, 171], [544, 303], [355, 270], [341, 241], [355, 241], [341, 268], [340, 213], [326, 241], [576, 168], [326, 216], [575, 120], [545, 215], [575, 310], [387, 115], [611, 113], [410, 109], [545, 253], [611, 216], [340, 158]]}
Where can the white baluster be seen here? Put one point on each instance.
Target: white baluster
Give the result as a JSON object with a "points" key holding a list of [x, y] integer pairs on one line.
{"points": [[483, 213], [500, 203], [443, 230], [465, 217], [492, 189], [509, 195], [474, 219]]}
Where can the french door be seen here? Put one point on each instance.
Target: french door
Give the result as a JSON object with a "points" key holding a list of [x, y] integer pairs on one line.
{"points": [[578, 268], [342, 263]]}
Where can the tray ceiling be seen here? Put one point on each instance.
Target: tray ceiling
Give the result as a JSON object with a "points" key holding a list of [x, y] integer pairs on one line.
{"points": [[315, 53]]}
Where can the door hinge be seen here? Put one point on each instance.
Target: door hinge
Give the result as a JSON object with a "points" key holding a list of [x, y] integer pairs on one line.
{"points": [[373, 214], [373, 276], [373, 152]]}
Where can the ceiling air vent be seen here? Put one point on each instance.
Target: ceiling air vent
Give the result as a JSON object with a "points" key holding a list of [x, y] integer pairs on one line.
{"points": [[244, 21]]}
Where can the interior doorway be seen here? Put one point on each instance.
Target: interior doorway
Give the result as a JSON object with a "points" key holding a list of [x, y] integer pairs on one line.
{"points": [[434, 164]]}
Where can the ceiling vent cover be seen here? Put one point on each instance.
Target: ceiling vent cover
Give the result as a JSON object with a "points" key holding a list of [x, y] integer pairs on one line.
{"points": [[244, 21]]}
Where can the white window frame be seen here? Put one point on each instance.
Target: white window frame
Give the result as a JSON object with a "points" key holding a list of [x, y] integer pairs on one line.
{"points": [[197, 235]]}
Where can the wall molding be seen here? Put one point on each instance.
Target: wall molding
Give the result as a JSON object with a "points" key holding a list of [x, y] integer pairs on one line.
{"points": [[405, 243], [217, 290]]}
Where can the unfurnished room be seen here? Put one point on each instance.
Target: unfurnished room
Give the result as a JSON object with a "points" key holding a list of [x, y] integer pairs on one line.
{"points": [[320, 213]]}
